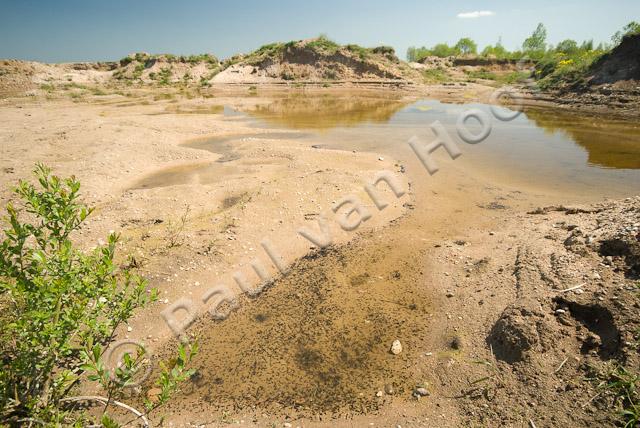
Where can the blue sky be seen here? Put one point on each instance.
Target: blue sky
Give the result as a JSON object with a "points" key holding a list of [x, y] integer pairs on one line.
{"points": [[90, 30]]}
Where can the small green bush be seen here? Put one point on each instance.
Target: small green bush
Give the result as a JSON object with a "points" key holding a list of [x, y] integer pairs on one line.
{"points": [[481, 74], [164, 76], [207, 58], [435, 75], [362, 53], [383, 50], [137, 72], [60, 308], [323, 45]]}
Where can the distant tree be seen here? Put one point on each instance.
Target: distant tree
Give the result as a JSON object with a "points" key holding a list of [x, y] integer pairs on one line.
{"points": [[628, 30], [587, 45], [466, 46], [535, 45], [444, 50], [411, 54], [567, 46], [497, 51]]}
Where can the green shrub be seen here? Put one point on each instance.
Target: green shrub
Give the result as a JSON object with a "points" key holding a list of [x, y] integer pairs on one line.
{"points": [[126, 61], [514, 77], [481, 74], [196, 59], [441, 50], [323, 45], [558, 69], [164, 76], [383, 50], [630, 29], [271, 50], [435, 75], [137, 72], [362, 53], [142, 57], [60, 308]]}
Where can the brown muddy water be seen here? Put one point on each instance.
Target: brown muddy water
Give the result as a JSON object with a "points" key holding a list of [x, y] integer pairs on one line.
{"points": [[548, 148], [545, 148], [316, 341]]}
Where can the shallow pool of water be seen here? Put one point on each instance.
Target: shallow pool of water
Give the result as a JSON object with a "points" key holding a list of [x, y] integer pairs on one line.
{"points": [[549, 148]]}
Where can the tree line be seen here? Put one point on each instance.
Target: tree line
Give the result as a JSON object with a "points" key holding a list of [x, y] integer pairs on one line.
{"points": [[534, 47]]}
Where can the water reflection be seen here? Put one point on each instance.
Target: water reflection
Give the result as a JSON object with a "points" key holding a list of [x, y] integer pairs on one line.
{"points": [[327, 111], [609, 143], [550, 148]]}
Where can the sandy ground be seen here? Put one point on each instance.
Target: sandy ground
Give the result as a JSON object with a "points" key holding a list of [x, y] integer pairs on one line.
{"points": [[435, 269], [188, 220]]}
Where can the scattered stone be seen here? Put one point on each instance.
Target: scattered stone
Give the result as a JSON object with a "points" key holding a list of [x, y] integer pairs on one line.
{"points": [[396, 347], [388, 389], [420, 392], [129, 329], [450, 294], [379, 394]]}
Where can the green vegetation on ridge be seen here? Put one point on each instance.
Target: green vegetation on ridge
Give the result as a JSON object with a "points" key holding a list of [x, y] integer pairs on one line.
{"points": [[563, 64], [321, 45]]}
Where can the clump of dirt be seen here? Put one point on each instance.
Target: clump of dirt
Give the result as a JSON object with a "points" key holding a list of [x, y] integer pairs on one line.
{"points": [[573, 326], [315, 60], [521, 328]]}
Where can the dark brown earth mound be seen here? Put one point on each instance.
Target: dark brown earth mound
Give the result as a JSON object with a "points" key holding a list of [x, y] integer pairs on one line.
{"points": [[612, 82], [621, 64]]}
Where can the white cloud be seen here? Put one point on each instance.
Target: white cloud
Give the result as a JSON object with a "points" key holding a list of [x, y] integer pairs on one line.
{"points": [[476, 14]]}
